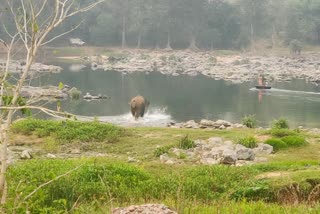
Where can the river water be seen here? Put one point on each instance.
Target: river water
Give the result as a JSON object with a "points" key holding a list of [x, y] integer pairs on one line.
{"points": [[185, 98]]}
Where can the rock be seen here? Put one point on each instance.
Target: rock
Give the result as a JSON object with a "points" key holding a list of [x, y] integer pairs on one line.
{"points": [[164, 158], [191, 124], [144, 209], [177, 151], [170, 162], [229, 157], [217, 141], [131, 160], [238, 126], [26, 154], [52, 156], [222, 127], [263, 149], [219, 123], [244, 153], [204, 122]]}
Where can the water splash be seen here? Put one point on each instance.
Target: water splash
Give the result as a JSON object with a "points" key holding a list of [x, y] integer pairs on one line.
{"points": [[154, 117]]}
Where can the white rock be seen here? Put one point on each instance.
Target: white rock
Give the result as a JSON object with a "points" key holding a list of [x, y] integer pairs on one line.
{"points": [[26, 154], [205, 122], [215, 140], [164, 158], [49, 155], [245, 154]]}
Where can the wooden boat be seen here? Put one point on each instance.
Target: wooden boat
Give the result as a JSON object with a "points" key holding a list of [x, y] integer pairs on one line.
{"points": [[262, 87]]}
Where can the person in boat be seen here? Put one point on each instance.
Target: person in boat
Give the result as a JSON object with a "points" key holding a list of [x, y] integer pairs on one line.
{"points": [[262, 80]]}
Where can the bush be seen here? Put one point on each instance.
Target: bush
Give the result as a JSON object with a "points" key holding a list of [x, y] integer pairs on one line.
{"points": [[249, 142], [276, 143], [68, 131], [281, 123], [249, 121], [74, 93], [186, 143], [162, 150], [295, 46], [282, 132], [294, 141]]}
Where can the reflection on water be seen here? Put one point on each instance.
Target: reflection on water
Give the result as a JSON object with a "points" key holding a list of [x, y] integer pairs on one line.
{"points": [[186, 98]]}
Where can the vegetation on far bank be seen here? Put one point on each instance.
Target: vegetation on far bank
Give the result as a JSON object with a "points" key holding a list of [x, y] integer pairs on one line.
{"points": [[102, 183]]}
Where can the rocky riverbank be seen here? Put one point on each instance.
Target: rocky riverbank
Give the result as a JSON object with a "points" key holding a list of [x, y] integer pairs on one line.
{"points": [[16, 66], [235, 68]]}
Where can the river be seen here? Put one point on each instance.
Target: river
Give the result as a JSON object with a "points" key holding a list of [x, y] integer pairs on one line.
{"points": [[183, 98]]}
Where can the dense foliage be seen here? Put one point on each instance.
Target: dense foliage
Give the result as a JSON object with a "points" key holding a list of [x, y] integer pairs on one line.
{"points": [[206, 24]]}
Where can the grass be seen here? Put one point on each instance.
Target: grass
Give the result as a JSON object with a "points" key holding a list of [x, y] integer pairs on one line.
{"points": [[249, 142], [68, 131], [102, 183]]}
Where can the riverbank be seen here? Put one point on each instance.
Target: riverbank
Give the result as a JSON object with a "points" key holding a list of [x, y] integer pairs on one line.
{"points": [[228, 65]]}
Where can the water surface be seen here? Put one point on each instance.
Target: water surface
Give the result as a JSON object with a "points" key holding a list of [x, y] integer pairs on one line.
{"points": [[185, 98]]}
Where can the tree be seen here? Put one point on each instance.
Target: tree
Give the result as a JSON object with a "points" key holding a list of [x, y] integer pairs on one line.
{"points": [[34, 24]]}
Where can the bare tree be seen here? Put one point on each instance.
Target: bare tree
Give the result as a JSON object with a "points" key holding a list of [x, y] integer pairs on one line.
{"points": [[33, 21]]}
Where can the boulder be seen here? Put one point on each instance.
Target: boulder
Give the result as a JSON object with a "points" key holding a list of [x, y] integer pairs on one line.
{"points": [[219, 123], [26, 154], [229, 157], [244, 153], [204, 122], [215, 141], [263, 149]]}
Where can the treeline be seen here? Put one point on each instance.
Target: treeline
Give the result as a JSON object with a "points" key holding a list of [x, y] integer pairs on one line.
{"points": [[204, 24]]}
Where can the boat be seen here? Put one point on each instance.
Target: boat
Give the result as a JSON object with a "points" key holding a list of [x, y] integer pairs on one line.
{"points": [[262, 87]]}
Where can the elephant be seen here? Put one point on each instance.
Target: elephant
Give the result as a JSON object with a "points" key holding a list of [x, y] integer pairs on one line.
{"points": [[138, 106]]}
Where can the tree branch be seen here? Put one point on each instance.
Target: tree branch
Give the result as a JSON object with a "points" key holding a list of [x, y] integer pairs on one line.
{"points": [[62, 34], [49, 182]]}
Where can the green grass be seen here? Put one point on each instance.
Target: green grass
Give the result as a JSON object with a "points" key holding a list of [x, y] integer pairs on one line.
{"points": [[249, 142], [102, 183], [185, 187], [68, 131], [276, 143]]}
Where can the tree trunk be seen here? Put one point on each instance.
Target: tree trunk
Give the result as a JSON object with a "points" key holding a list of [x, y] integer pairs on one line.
{"points": [[168, 47], [124, 42], [318, 34], [139, 40], [193, 45], [252, 36]]}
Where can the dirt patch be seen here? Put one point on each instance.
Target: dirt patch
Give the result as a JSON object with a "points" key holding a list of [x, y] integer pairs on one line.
{"points": [[20, 140], [262, 138], [272, 175]]}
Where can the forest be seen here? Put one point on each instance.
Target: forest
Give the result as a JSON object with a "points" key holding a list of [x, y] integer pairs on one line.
{"points": [[194, 24]]}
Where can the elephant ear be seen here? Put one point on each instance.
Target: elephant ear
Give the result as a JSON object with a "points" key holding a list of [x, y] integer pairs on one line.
{"points": [[133, 104]]}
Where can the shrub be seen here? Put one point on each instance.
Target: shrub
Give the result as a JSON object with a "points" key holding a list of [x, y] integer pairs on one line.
{"points": [[186, 143], [276, 143], [74, 93], [249, 121], [295, 46], [249, 142], [281, 123], [294, 141], [282, 132], [162, 150]]}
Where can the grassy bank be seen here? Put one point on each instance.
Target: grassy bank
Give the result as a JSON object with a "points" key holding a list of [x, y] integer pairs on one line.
{"points": [[98, 184]]}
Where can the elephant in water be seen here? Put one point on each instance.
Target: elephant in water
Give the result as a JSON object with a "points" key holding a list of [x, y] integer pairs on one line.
{"points": [[138, 106]]}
